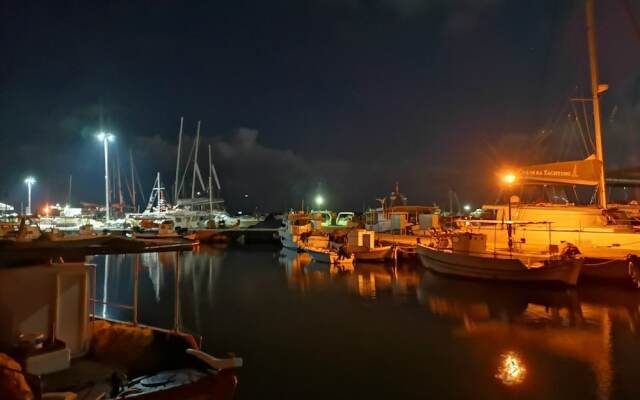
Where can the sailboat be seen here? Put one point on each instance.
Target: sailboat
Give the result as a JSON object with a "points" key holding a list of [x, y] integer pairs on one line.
{"points": [[603, 234], [188, 214]]}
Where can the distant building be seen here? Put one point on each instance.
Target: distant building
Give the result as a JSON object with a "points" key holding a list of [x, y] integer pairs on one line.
{"points": [[6, 209]]}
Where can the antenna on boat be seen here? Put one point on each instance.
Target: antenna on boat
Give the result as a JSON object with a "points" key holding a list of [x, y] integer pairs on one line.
{"points": [[175, 186], [596, 90]]}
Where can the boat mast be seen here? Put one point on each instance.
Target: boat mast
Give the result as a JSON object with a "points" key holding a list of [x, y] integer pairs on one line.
{"points": [[596, 89], [195, 163], [159, 193], [133, 181], [120, 196], [175, 186], [210, 183]]}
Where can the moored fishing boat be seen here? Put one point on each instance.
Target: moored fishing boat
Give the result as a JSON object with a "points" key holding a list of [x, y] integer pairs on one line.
{"points": [[329, 256], [362, 244], [298, 232], [466, 256]]}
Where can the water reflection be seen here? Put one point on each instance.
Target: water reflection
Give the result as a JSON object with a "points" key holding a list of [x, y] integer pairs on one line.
{"points": [[511, 370], [159, 290], [508, 340], [367, 280], [571, 324], [502, 322]]}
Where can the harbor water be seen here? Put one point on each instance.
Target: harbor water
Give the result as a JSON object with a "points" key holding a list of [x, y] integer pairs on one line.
{"points": [[376, 331]]}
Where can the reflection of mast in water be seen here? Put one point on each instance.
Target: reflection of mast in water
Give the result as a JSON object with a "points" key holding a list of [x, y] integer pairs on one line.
{"points": [[105, 286], [199, 275], [151, 261]]}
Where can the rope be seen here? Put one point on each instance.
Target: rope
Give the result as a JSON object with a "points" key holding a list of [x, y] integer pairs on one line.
{"points": [[580, 130], [634, 21], [605, 262]]}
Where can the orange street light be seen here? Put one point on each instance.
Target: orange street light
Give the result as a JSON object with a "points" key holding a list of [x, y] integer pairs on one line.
{"points": [[509, 178]]}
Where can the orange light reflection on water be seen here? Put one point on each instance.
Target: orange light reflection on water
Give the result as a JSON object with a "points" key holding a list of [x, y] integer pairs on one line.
{"points": [[511, 370]]}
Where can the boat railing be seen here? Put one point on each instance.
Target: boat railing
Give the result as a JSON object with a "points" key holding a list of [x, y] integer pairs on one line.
{"points": [[134, 307]]}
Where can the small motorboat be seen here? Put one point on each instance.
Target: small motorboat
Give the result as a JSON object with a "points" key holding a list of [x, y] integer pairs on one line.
{"points": [[329, 255], [165, 231], [362, 243], [467, 257], [379, 253]]}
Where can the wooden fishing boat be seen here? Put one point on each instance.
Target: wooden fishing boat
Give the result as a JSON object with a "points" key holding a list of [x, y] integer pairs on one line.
{"points": [[329, 256], [363, 253], [469, 259]]}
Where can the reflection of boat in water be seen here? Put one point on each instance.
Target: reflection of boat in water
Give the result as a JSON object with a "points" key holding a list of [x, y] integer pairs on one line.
{"points": [[528, 320], [468, 257]]}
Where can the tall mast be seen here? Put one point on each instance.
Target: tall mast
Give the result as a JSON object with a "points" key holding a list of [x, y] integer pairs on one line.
{"points": [[596, 89], [175, 186], [195, 164], [159, 193], [133, 181], [120, 196], [210, 183]]}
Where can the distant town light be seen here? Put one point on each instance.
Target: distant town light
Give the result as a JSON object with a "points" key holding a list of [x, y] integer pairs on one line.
{"points": [[319, 200]]}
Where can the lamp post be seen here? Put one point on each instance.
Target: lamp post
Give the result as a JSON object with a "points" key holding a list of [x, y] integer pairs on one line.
{"points": [[319, 200], [509, 179], [106, 138], [29, 181]]}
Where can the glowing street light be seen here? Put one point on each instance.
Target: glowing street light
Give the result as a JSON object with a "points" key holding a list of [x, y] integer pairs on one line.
{"points": [[509, 178], [106, 138], [467, 208], [319, 200], [30, 180]]}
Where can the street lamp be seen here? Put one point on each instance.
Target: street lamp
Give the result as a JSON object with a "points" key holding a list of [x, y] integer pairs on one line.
{"points": [[319, 200], [106, 138], [30, 180], [509, 179]]}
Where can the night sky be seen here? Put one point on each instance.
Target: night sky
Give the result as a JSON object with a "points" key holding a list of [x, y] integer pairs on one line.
{"points": [[340, 97]]}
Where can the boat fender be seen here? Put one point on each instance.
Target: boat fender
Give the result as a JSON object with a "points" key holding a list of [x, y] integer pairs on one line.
{"points": [[216, 363], [634, 269]]}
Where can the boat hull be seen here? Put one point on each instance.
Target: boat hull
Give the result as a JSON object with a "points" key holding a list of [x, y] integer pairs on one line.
{"points": [[329, 256], [502, 269], [372, 254]]}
